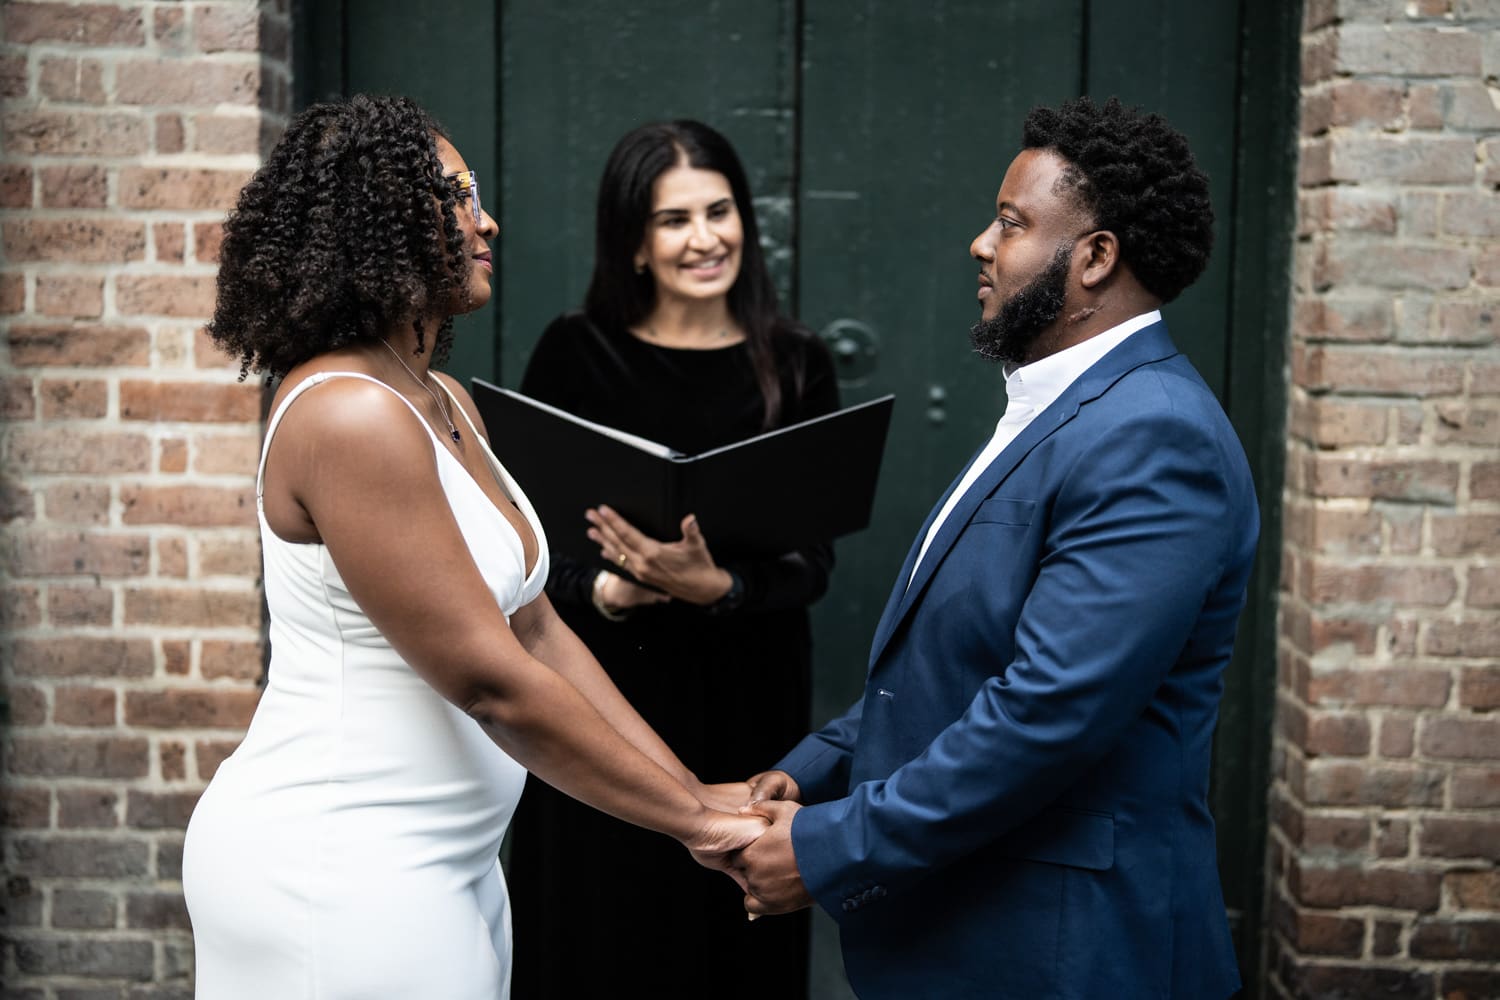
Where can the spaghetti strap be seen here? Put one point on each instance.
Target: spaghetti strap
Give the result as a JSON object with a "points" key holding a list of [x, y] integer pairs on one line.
{"points": [[316, 378]]}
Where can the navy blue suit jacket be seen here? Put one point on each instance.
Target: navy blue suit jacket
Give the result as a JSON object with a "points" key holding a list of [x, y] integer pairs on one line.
{"points": [[1017, 807]]}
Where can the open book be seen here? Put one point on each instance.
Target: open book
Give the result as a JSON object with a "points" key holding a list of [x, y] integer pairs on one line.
{"points": [[778, 491]]}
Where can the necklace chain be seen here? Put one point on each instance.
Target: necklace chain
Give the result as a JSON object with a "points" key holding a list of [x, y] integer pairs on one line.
{"points": [[443, 409]]}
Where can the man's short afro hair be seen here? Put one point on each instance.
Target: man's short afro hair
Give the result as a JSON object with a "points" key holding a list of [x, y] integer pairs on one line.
{"points": [[1136, 175]]}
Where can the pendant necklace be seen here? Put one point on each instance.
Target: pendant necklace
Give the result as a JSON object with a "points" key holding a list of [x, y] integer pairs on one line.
{"points": [[452, 431]]}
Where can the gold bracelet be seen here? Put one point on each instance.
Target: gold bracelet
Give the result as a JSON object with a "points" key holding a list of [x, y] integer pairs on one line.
{"points": [[598, 599]]}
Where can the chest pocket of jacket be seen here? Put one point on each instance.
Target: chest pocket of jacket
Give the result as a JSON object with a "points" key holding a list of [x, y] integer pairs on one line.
{"points": [[1003, 510]]}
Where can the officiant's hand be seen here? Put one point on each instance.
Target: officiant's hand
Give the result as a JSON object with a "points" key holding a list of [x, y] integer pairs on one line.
{"points": [[619, 594], [684, 569], [772, 881]]}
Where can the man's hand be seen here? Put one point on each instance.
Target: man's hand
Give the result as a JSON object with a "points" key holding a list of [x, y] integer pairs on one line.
{"points": [[773, 786], [718, 842], [729, 796], [769, 867]]}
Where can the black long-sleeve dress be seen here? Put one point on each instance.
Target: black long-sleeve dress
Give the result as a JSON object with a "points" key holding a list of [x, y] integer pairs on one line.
{"points": [[603, 908]]}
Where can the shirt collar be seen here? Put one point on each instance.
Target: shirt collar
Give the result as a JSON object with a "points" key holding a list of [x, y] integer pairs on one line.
{"points": [[1037, 385]]}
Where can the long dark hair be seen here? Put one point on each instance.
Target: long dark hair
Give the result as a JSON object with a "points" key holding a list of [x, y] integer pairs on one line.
{"points": [[618, 296]]}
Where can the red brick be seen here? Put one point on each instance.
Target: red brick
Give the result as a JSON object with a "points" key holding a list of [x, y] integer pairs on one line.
{"points": [[237, 660], [1386, 938], [60, 553], [172, 760], [199, 83], [1382, 370], [1416, 586], [17, 402], [1484, 377], [83, 706], [1354, 319], [1460, 836], [1479, 687], [1479, 890], [13, 81], [227, 402], [74, 241], [83, 657], [156, 911], [74, 133], [78, 502], [12, 294], [1317, 57], [227, 29], [28, 705], [1335, 423], [1327, 886], [1346, 783], [1478, 940], [165, 295], [1337, 735], [20, 608], [1392, 838], [1470, 983], [90, 605], [171, 557], [69, 295], [192, 506], [210, 754], [1459, 738], [1465, 534], [91, 957], [1397, 735], [74, 399], [228, 557], [1407, 51], [196, 607], [195, 708], [1466, 424], [170, 240], [83, 909], [174, 456], [180, 188], [1484, 481], [227, 135], [88, 346], [168, 132], [15, 187], [56, 450], [73, 80], [169, 28], [87, 809], [221, 454], [159, 810], [80, 757], [1484, 587], [1317, 933], [207, 236], [177, 657], [1334, 833], [1418, 217], [25, 808], [80, 857], [73, 24], [1415, 481], [1457, 638], [1355, 103]]}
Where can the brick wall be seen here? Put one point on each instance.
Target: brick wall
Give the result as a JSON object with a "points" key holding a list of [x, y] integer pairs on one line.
{"points": [[1385, 808], [129, 577]]}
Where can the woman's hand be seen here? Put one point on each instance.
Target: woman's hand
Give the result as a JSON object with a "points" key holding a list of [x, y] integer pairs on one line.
{"points": [[721, 837], [684, 569], [730, 796], [620, 594]]}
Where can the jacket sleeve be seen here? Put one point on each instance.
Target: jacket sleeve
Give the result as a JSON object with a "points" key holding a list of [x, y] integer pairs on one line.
{"points": [[1142, 529]]}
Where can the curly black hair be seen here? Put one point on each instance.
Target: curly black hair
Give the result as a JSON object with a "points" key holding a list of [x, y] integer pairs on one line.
{"points": [[334, 239], [1135, 174]]}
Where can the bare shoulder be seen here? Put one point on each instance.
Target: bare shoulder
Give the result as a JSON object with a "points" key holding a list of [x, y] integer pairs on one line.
{"points": [[465, 400], [350, 421]]}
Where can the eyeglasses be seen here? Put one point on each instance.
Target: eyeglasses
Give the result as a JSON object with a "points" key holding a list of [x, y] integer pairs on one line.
{"points": [[466, 185]]}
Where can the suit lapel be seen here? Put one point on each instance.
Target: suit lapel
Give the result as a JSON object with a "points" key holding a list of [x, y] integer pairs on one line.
{"points": [[1147, 345]]}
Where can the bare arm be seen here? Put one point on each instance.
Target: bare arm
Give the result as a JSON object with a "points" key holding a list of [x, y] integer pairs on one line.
{"points": [[362, 468]]}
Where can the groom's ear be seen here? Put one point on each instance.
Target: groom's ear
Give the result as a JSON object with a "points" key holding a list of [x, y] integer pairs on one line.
{"points": [[1097, 258]]}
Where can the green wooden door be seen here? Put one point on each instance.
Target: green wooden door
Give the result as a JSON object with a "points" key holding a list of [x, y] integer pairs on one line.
{"points": [[876, 133]]}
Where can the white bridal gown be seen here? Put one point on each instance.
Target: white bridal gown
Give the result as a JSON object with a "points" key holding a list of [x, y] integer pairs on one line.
{"points": [[349, 847]]}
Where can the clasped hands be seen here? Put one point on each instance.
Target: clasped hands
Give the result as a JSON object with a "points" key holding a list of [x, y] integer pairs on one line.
{"points": [[765, 868]]}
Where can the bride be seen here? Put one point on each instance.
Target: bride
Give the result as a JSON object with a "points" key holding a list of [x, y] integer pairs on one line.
{"points": [[349, 847]]}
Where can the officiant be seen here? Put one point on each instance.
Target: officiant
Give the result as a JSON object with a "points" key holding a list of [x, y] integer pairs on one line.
{"points": [[680, 340]]}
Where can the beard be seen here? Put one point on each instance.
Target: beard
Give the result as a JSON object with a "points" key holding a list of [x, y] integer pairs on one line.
{"points": [[1011, 333]]}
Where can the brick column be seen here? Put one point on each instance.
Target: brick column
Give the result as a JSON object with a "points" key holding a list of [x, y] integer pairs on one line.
{"points": [[1386, 801], [130, 570]]}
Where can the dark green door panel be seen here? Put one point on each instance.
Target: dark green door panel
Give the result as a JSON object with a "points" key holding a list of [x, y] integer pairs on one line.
{"points": [[578, 74], [875, 133]]}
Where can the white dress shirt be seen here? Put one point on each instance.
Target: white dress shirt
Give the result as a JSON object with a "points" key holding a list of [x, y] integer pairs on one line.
{"points": [[1029, 390]]}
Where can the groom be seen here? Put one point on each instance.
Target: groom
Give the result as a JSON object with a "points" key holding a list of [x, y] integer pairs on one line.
{"points": [[1017, 805]]}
